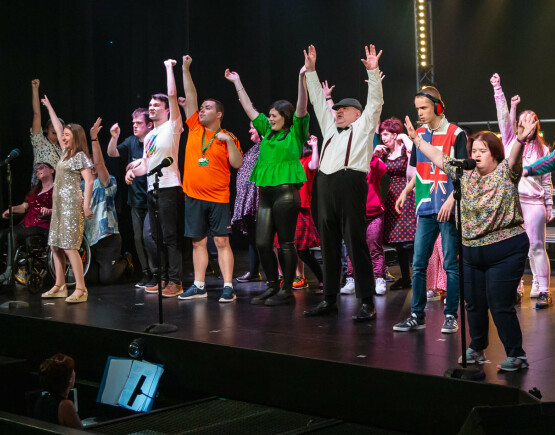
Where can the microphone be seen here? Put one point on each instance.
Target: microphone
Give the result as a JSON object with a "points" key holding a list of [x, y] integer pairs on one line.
{"points": [[12, 155], [158, 169], [466, 164]]}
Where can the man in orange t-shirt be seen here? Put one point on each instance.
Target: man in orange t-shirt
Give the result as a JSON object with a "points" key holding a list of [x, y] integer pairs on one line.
{"points": [[209, 154]]}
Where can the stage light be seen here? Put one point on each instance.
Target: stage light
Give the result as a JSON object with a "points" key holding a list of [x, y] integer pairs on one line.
{"points": [[423, 64], [423, 56], [422, 35], [422, 42], [421, 7], [422, 28], [136, 348], [421, 14], [423, 49]]}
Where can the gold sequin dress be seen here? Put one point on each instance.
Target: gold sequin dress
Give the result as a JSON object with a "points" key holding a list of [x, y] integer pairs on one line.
{"points": [[68, 218]]}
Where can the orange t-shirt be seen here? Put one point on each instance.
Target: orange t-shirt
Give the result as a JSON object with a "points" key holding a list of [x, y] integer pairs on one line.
{"points": [[206, 182]]}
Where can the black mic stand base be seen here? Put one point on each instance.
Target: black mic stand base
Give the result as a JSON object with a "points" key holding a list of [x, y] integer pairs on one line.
{"points": [[161, 328], [467, 374]]}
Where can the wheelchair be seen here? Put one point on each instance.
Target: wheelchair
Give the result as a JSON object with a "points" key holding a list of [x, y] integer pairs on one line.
{"points": [[34, 260]]}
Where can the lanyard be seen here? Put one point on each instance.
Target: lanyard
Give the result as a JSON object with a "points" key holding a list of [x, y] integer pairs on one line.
{"points": [[204, 148]]}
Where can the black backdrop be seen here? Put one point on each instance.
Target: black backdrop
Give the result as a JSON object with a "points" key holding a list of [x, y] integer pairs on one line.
{"points": [[104, 58]]}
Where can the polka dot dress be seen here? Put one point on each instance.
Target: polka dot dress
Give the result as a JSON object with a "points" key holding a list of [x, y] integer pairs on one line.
{"points": [[398, 227]]}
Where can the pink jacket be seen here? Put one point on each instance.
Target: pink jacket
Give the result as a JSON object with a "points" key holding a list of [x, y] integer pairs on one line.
{"points": [[374, 203], [535, 189]]}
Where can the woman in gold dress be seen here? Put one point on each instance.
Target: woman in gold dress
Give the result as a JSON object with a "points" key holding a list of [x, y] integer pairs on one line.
{"points": [[69, 207]]}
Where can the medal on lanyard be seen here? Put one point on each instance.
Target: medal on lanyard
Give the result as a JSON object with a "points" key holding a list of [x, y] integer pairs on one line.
{"points": [[203, 161]]}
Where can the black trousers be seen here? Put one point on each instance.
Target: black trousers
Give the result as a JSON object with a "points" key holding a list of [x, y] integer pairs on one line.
{"points": [[107, 265], [491, 277], [170, 201], [277, 212], [342, 215]]}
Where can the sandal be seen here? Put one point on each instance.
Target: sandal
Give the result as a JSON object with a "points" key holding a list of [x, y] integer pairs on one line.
{"points": [[74, 299], [57, 291]]}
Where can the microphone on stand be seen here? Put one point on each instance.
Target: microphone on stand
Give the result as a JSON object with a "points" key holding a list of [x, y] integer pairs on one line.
{"points": [[158, 169], [466, 164], [16, 152]]}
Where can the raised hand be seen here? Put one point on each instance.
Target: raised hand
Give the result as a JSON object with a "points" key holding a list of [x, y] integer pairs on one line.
{"points": [[170, 63], [515, 101], [528, 123], [115, 130], [182, 101], [310, 58], [495, 81], [371, 61], [327, 89], [312, 141], [46, 102], [382, 76], [35, 84], [187, 60], [96, 128], [232, 76], [411, 132]]}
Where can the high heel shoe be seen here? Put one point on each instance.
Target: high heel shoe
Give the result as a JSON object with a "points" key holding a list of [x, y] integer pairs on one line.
{"points": [[57, 291], [74, 299]]}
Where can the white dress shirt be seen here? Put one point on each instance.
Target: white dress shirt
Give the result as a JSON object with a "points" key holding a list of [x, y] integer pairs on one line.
{"points": [[333, 159]]}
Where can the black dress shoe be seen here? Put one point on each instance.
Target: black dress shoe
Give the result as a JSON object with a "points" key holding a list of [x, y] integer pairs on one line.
{"points": [[273, 288], [365, 313], [283, 297], [248, 277], [324, 308], [400, 284]]}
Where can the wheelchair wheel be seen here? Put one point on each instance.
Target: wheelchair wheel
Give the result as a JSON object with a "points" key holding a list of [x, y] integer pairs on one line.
{"points": [[84, 253]]}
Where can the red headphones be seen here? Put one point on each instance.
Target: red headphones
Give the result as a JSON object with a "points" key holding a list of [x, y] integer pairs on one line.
{"points": [[439, 106]]}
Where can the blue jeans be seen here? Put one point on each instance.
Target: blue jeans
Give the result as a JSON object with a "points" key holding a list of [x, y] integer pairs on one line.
{"points": [[427, 231]]}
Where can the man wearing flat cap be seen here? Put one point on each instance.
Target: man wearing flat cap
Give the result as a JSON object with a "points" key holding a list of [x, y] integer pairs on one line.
{"points": [[342, 186]]}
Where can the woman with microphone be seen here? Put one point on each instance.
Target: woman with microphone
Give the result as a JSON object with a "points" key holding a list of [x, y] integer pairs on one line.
{"points": [[495, 244]]}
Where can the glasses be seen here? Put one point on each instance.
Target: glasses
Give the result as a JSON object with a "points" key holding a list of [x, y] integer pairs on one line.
{"points": [[39, 167]]}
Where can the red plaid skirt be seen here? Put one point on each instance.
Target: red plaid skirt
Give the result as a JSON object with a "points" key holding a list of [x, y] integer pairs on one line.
{"points": [[306, 234]]}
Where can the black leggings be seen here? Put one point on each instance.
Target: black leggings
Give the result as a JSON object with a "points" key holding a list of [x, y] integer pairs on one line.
{"points": [[277, 212], [310, 261], [404, 252]]}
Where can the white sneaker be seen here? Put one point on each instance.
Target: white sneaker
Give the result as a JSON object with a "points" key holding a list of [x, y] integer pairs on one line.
{"points": [[349, 288], [433, 295], [381, 288], [535, 291]]}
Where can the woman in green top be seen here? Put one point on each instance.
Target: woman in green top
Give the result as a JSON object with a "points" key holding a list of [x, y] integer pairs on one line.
{"points": [[279, 174]]}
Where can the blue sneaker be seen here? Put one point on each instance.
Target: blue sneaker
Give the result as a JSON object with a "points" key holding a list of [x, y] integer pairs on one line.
{"points": [[228, 295], [193, 292]]}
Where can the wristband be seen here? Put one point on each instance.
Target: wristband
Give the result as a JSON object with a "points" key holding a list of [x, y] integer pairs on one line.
{"points": [[242, 89], [521, 142], [95, 139], [328, 98]]}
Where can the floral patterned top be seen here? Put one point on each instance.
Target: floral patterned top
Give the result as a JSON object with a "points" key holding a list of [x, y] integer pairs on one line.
{"points": [[490, 209]]}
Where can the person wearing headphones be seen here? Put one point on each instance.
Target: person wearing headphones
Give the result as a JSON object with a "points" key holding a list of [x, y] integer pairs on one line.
{"points": [[434, 208]]}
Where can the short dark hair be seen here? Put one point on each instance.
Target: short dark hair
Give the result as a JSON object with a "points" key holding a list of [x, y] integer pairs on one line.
{"points": [[55, 373], [219, 106], [141, 111], [163, 98], [492, 142]]}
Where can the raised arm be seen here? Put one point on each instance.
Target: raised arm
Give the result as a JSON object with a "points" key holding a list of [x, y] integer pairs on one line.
{"points": [[113, 144], [374, 100], [189, 88], [175, 114], [244, 99], [435, 155], [327, 93], [54, 119], [302, 98], [98, 158], [528, 124], [506, 126], [313, 142], [36, 126], [322, 111]]}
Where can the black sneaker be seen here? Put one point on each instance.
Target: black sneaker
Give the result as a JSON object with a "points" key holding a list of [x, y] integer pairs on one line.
{"points": [[450, 325], [400, 284], [145, 281], [544, 301], [413, 322]]}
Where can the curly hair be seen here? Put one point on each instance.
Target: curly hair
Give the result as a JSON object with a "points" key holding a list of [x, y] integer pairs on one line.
{"points": [[55, 373]]}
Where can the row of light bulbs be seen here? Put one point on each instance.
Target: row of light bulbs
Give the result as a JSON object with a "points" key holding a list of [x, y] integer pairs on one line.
{"points": [[422, 49]]}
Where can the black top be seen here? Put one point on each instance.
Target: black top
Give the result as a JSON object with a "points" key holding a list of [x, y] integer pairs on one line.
{"points": [[136, 193], [46, 408]]}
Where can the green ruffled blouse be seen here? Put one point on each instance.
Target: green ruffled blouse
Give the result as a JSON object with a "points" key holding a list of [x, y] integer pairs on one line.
{"points": [[278, 162]]}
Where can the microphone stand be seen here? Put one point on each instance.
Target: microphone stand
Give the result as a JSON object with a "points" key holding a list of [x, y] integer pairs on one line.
{"points": [[161, 327], [7, 277], [471, 374]]}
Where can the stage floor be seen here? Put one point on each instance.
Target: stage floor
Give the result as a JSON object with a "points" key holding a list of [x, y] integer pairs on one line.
{"points": [[285, 330]]}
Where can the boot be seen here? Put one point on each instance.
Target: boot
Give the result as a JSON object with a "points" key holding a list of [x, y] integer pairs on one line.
{"points": [[273, 288], [283, 297]]}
